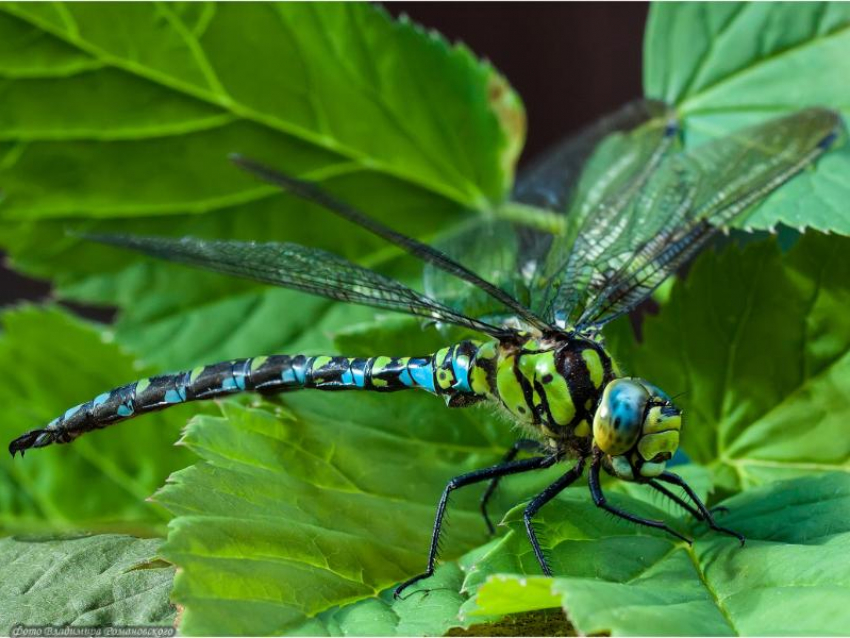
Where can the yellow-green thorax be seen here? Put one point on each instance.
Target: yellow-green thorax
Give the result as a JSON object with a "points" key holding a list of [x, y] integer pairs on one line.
{"points": [[553, 386]]}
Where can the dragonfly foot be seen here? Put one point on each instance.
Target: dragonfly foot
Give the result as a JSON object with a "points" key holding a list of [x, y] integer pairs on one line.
{"points": [[729, 532], [409, 582], [673, 532]]}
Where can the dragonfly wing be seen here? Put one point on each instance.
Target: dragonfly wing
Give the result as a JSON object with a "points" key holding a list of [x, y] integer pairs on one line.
{"points": [[688, 199], [427, 254], [601, 221], [490, 247], [527, 261], [293, 266], [555, 179]]}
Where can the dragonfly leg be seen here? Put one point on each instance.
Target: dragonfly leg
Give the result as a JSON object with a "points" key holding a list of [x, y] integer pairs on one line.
{"points": [[599, 499], [539, 501], [675, 479], [523, 445], [477, 476], [677, 499]]}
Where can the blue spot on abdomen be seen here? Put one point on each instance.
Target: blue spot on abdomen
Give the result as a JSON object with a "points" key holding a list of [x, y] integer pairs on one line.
{"points": [[177, 395], [423, 376], [460, 367]]}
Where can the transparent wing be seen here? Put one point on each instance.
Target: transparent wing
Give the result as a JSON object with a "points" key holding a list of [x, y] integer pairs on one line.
{"points": [[683, 203], [492, 249], [430, 255], [528, 261], [578, 171], [597, 216], [292, 266]]}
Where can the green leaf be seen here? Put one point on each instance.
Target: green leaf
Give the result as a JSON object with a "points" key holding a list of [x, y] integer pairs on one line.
{"points": [[91, 581], [703, 58], [759, 345], [792, 575], [152, 94], [389, 117], [101, 481], [431, 615], [331, 503]]}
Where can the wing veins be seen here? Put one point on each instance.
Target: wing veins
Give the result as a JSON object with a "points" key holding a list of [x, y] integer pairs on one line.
{"points": [[293, 266], [426, 253]]}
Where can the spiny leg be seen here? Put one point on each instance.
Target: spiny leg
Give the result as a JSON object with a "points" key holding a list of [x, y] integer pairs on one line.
{"points": [[539, 501], [599, 499], [477, 476], [675, 479], [684, 504], [677, 499], [523, 445]]}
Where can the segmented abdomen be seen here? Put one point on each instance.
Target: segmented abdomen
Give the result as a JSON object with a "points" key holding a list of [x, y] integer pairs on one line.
{"points": [[444, 373]]}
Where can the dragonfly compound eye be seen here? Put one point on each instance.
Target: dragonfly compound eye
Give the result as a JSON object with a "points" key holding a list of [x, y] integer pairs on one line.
{"points": [[618, 420]]}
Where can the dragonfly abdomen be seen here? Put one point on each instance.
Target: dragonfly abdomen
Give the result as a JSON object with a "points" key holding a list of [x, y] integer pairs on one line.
{"points": [[445, 373]]}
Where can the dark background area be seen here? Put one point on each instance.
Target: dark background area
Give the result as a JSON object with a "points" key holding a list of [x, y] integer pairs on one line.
{"points": [[570, 62]]}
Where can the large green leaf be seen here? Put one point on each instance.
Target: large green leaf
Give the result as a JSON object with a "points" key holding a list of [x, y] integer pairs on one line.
{"points": [[759, 343], [54, 361], [792, 577], [93, 581], [382, 615], [391, 118], [704, 58], [327, 503], [157, 95]]}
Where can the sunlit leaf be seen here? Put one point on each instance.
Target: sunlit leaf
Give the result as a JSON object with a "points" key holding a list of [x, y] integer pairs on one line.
{"points": [[792, 575], [703, 58]]}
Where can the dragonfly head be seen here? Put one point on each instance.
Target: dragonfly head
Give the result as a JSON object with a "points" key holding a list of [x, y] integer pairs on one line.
{"points": [[637, 427]]}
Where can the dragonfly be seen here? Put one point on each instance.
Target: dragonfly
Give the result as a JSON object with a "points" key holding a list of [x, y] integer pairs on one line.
{"points": [[618, 208]]}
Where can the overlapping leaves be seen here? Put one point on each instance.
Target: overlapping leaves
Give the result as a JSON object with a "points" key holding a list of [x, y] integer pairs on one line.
{"points": [[154, 99], [298, 520], [791, 576], [703, 58], [54, 361], [320, 505]]}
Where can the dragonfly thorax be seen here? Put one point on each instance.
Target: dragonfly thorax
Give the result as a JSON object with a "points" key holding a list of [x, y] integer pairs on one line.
{"points": [[552, 386]]}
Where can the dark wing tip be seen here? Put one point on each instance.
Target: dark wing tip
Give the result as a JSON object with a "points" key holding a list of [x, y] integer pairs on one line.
{"points": [[267, 174], [32, 439], [247, 164], [830, 121]]}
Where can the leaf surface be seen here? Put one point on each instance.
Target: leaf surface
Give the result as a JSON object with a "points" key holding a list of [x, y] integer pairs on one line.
{"points": [[791, 575], [759, 344], [330, 90], [327, 504], [387, 116], [704, 58], [89, 581]]}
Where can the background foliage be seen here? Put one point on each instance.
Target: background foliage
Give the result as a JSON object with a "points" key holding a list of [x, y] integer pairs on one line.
{"points": [[298, 517]]}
